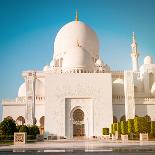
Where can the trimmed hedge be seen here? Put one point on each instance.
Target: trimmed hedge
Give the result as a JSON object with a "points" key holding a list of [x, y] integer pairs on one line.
{"points": [[31, 137], [6, 137], [33, 130], [131, 126], [119, 128], [141, 125], [114, 127], [24, 128], [153, 128], [105, 131], [7, 126], [124, 127]]}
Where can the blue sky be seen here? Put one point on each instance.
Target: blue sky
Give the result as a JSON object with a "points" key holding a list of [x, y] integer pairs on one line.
{"points": [[28, 29]]}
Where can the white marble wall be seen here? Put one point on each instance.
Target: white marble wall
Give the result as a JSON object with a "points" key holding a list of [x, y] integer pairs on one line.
{"points": [[58, 87]]}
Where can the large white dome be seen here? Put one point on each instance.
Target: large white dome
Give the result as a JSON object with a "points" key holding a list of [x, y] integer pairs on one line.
{"points": [[40, 90], [77, 58], [73, 32]]}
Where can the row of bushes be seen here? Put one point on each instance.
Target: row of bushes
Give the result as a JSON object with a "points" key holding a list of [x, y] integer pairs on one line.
{"points": [[30, 130], [8, 127], [132, 127]]}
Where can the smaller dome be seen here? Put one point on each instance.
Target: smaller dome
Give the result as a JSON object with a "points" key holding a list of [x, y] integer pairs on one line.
{"points": [[148, 60], [77, 58], [40, 90], [52, 63], [153, 90], [45, 68], [118, 87], [99, 62], [119, 81], [22, 90]]}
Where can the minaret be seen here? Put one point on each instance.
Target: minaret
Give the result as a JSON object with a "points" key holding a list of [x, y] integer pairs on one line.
{"points": [[134, 54]]}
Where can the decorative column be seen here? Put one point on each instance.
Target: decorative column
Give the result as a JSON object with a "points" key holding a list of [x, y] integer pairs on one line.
{"points": [[129, 95], [30, 80], [134, 54]]}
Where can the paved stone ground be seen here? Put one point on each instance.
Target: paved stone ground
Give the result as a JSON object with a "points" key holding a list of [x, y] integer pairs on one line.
{"points": [[83, 147]]}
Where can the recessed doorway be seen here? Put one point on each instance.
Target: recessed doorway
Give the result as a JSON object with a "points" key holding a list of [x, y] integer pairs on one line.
{"points": [[78, 123]]}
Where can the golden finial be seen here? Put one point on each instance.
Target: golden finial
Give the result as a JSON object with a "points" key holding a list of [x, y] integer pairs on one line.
{"points": [[78, 45], [76, 18]]}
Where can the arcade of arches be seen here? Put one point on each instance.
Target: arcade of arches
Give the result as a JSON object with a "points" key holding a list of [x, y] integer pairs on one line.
{"points": [[21, 121]]}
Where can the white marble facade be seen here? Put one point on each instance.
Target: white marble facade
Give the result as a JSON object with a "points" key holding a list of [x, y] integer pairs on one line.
{"points": [[77, 94]]}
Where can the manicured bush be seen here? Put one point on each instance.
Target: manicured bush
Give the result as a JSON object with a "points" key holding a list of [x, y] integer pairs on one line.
{"points": [[18, 128], [7, 126], [114, 127], [31, 137], [153, 128], [105, 131], [114, 119], [33, 130], [123, 118], [6, 137], [119, 128], [124, 127], [24, 128], [147, 118], [130, 126], [149, 127], [141, 125]]}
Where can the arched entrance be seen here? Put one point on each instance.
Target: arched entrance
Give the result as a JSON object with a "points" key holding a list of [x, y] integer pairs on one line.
{"points": [[78, 123], [42, 120], [20, 120]]}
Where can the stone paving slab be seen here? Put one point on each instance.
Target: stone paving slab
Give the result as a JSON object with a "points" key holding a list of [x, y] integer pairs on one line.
{"points": [[80, 144]]}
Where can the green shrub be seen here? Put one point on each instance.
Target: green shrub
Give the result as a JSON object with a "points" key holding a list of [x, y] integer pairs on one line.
{"points": [[105, 131], [114, 127], [31, 137], [123, 118], [153, 128], [6, 137], [130, 126], [119, 128], [149, 127], [7, 126], [141, 125], [24, 128], [33, 130], [18, 128], [147, 118], [124, 127]]}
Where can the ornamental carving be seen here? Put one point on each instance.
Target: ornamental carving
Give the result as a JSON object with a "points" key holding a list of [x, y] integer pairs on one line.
{"points": [[19, 138], [78, 115]]}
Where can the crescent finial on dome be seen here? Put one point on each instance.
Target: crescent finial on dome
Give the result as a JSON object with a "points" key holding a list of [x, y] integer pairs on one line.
{"points": [[76, 18]]}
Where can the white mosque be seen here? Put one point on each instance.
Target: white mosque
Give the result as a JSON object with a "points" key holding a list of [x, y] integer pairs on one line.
{"points": [[77, 94]]}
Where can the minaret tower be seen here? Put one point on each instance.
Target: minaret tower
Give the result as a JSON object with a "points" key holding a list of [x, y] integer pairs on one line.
{"points": [[134, 54]]}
